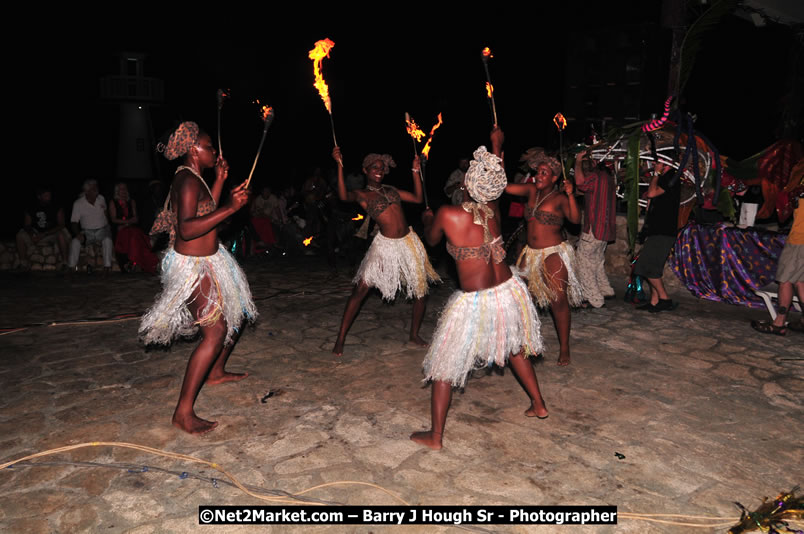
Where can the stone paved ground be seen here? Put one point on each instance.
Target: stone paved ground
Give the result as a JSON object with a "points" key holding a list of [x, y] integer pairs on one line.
{"points": [[704, 410]]}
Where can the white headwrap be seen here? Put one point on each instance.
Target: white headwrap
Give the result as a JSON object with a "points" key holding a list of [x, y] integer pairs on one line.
{"points": [[485, 179]]}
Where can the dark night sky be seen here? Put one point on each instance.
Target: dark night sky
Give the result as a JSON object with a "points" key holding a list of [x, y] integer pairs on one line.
{"points": [[377, 71]]}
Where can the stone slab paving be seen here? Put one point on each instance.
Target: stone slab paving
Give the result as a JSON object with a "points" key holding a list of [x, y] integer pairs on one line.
{"points": [[704, 410]]}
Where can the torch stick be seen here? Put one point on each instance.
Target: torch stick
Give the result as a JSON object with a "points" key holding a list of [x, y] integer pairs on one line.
{"points": [[332, 124], [426, 154], [424, 183], [268, 118], [222, 95], [485, 55]]}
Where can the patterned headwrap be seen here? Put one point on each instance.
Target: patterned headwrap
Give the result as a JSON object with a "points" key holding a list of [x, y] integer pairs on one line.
{"points": [[184, 137], [386, 159], [537, 156], [485, 179]]}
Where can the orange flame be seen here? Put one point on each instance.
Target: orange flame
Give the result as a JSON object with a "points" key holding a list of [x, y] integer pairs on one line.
{"points": [[266, 112], [413, 128], [307, 241], [487, 53], [358, 218], [318, 54], [490, 90], [426, 149], [560, 122]]}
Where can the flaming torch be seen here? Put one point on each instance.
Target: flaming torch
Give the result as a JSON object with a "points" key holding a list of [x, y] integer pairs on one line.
{"points": [[307, 241], [414, 131], [223, 94], [416, 134], [267, 116], [485, 55], [426, 149], [318, 54], [561, 123]]}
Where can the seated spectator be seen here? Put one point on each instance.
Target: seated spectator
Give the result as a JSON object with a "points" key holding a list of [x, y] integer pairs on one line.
{"points": [[131, 244], [263, 212], [89, 225], [43, 223]]}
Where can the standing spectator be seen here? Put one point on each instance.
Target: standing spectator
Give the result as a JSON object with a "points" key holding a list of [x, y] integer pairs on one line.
{"points": [[43, 223], [454, 187], [314, 191], [661, 225], [89, 225], [789, 274], [599, 229]]}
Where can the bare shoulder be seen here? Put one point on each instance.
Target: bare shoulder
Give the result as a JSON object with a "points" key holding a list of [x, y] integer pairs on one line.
{"points": [[185, 180], [452, 215]]}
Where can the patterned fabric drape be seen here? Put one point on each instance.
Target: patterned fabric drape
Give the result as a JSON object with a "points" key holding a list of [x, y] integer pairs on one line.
{"points": [[726, 264]]}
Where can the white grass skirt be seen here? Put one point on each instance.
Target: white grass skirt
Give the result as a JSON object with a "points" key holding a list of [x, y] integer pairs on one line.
{"points": [[392, 263], [480, 328], [229, 297]]}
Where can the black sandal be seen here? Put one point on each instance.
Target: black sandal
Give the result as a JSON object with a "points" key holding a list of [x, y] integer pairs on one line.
{"points": [[796, 326], [767, 327]]}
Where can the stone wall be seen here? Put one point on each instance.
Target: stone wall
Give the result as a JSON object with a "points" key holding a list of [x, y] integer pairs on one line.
{"points": [[45, 257]]}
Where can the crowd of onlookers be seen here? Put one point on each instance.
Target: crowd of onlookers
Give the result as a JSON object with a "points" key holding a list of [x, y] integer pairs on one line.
{"points": [[311, 220], [277, 222]]}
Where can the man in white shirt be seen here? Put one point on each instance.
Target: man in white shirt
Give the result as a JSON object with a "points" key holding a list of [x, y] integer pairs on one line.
{"points": [[90, 225]]}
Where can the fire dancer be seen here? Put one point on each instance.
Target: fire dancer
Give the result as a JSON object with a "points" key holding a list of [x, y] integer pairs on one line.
{"points": [[203, 287], [547, 260], [397, 256], [491, 317]]}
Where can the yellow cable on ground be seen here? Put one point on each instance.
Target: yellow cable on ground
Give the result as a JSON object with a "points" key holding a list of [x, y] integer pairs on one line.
{"points": [[268, 498], [722, 521], [99, 321]]}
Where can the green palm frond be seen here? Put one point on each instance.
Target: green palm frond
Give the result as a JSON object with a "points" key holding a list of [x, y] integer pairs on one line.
{"points": [[691, 44]]}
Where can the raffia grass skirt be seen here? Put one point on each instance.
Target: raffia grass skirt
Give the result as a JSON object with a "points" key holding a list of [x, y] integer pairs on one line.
{"points": [[229, 297], [543, 285], [392, 263], [481, 328]]}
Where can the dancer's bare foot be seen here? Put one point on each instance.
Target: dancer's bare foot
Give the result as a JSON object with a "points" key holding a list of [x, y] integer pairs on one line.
{"points": [[417, 341], [563, 358], [535, 410], [337, 350], [429, 439], [193, 424], [225, 377]]}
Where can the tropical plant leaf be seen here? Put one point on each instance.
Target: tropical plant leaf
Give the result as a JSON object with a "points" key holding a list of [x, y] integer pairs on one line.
{"points": [[632, 179], [691, 44]]}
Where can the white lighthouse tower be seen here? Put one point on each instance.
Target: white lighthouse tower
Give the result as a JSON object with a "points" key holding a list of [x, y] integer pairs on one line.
{"points": [[135, 94]]}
